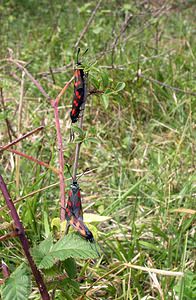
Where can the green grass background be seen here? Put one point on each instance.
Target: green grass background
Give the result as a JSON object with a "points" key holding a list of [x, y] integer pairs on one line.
{"points": [[141, 140]]}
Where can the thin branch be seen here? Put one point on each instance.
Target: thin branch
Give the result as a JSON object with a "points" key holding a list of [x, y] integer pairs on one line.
{"points": [[153, 270], [9, 127], [31, 194], [57, 70], [37, 161], [166, 85], [41, 190], [63, 91], [36, 83], [54, 104], [8, 235], [122, 30], [24, 241], [61, 159], [21, 138], [5, 270], [19, 128], [21, 102], [88, 24], [158, 13], [52, 75]]}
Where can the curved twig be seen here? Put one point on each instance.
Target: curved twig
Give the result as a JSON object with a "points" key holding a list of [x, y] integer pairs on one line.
{"points": [[24, 241]]}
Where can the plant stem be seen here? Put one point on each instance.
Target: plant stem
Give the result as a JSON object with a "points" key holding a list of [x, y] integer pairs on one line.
{"points": [[37, 161], [9, 127], [61, 160], [5, 270], [21, 138], [24, 241], [36, 83], [17, 162], [88, 23], [54, 104]]}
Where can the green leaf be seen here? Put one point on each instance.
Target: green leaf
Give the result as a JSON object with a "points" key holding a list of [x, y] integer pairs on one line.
{"points": [[148, 245], [84, 7], [70, 267], [71, 245], [46, 224], [70, 289], [127, 7], [120, 86], [91, 140], [188, 284], [18, 285], [108, 92], [97, 30], [105, 79], [78, 130], [40, 253], [56, 222], [75, 246], [90, 218], [95, 82], [159, 232], [105, 99]]}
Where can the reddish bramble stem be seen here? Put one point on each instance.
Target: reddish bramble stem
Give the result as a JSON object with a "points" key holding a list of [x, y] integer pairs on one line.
{"points": [[21, 138], [37, 161], [61, 159], [24, 241]]}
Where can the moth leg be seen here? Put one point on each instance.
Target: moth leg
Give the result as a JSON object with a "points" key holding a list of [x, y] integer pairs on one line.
{"points": [[67, 228], [71, 138], [81, 113]]}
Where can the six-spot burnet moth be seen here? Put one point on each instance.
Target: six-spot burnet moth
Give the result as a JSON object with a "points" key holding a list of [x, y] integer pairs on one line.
{"points": [[74, 212], [79, 90]]}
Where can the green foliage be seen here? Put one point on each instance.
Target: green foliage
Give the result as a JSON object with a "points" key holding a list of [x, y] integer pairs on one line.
{"points": [[138, 137], [186, 287], [72, 245], [18, 285], [108, 92]]}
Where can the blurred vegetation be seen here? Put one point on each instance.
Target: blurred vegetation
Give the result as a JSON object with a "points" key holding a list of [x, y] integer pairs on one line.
{"points": [[139, 138]]}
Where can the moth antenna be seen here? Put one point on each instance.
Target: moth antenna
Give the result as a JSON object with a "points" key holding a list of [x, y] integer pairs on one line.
{"points": [[77, 61], [68, 168], [85, 52], [86, 170]]}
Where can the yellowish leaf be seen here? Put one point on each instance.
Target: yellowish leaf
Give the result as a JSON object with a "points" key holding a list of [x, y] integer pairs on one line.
{"points": [[90, 218]]}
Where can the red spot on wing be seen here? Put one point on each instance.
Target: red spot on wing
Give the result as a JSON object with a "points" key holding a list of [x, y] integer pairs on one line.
{"points": [[73, 111], [68, 212], [78, 95], [76, 102], [78, 204], [77, 83], [69, 203]]}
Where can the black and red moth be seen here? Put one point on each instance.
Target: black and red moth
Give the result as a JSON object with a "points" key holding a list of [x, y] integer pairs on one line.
{"points": [[74, 212], [79, 89]]}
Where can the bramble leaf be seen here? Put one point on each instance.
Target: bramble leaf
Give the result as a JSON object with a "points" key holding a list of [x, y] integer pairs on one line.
{"points": [[18, 285], [71, 245]]}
